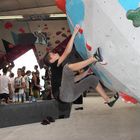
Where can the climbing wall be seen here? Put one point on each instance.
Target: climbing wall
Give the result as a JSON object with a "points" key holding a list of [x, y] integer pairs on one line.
{"points": [[49, 35], [17, 37], [112, 25], [10, 48]]}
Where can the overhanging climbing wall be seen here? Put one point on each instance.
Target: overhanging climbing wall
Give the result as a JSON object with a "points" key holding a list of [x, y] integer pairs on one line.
{"points": [[112, 25]]}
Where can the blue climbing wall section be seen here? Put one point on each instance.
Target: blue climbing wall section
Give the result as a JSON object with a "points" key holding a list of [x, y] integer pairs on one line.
{"points": [[75, 13], [129, 4]]}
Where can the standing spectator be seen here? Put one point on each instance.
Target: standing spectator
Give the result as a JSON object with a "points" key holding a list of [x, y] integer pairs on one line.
{"points": [[19, 86], [27, 84], [23, 71], [5, 86], [10, 67], [36, 85], [47, 83], [38, 82], [12, 85], [36, 69]]}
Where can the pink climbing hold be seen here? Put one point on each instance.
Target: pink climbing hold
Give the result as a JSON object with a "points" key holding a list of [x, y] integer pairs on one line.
{"points": [[10, 46], [90, 71]]}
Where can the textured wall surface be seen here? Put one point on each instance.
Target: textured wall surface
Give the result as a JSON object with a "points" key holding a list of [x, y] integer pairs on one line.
{"points": [[106, 24]]}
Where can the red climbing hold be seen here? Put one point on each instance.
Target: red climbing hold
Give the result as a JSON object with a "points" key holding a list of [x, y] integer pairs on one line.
{"points": [[128, 98], [8, 25], [61, 4], [80, 30], [88, 47], [21, 30]]}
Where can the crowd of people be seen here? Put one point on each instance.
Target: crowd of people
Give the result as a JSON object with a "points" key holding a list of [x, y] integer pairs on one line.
{"points": [[24, 86]]}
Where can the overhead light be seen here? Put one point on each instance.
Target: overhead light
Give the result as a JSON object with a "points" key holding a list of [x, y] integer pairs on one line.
{"points": [[57, 15], [12, 17]]}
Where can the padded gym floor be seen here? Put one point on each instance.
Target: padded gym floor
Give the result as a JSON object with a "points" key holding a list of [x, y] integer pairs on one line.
{"points": [[95, 122]]}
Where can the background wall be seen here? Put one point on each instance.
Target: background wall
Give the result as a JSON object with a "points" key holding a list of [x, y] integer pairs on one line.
{"points": [[16, 38]]}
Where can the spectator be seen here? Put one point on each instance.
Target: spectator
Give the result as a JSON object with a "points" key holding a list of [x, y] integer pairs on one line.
{"points": [[19, 87], [36, 85], [5, 86], [27, 84], [36, 69], [47, 83], [12, 85], [23, 71]]}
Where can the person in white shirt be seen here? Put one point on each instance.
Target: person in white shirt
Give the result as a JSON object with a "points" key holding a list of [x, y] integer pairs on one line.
{"points": [[5, 86], [12, 78]]}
